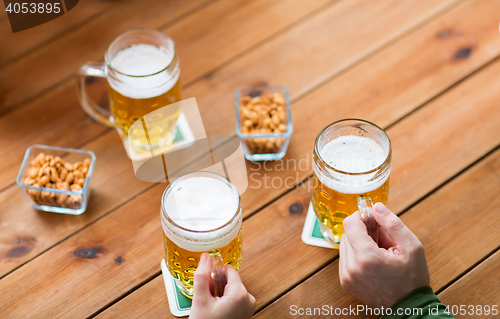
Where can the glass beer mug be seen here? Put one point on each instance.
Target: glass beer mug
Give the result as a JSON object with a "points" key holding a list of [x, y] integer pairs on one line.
{"points": [[351, 163], [142, 70], [201, 212]]}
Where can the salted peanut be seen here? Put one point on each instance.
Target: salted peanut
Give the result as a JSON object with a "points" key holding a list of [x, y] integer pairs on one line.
{"points": [[45, 195], [78, 174], [86, 163], [63, 173], [54, 177], [75, 187], [70, 177], [43, 180], [69, 202], [40, 158], [63, 185], [255, 100], [248, 123], [68, 166], [77, 166], [245, 99], [278, 99], [85, 170], [43, 171], [51, 199], [265, 100], [80, 182], [61, 198], [33, 172], [276, 120], [29, 181]]}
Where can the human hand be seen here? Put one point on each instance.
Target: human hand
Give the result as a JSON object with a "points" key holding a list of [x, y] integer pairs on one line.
{"points": [[235, 303], [381, 275]]}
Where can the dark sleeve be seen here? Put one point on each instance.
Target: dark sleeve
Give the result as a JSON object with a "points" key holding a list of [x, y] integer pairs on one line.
{"points": [[418, 304]]}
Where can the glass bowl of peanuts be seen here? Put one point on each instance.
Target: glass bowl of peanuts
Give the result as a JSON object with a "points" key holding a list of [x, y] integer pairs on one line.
{"points": [[56, 179], [263, 121]]}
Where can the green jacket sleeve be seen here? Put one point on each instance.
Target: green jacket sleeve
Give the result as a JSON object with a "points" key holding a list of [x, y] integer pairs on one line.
{"points": [[418, 304]]}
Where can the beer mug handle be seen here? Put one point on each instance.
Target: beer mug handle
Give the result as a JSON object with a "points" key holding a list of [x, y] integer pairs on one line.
{"points": [[219, 274], [98, 113], [365, 206]]}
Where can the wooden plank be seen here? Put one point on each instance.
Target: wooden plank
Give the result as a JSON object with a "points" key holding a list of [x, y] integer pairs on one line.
{"points": [[442, 222], [235, 27], [133, 305], [250, 200], [20, 43], [478, 288], [105, 28], [311, 53]]}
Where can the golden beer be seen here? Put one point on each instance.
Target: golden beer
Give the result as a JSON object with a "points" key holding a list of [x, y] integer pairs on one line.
{"points": [[201, 212], [182, 263], [144, 78], [352, 160]]}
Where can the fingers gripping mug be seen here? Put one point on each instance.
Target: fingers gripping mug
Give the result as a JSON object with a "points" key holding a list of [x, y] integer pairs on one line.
{"points": [[352, 163], [142, 70]]}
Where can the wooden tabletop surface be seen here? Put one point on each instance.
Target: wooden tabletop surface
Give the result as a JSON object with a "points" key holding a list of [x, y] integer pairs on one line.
{"points": [[427, 71]]}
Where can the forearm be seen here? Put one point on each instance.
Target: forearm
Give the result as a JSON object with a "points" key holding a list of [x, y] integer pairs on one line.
{"points": [[420, 303]]}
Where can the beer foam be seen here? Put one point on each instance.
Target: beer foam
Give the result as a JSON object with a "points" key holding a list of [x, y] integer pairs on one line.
{"points": [[141, 60], [352, 154], [201, 204]]}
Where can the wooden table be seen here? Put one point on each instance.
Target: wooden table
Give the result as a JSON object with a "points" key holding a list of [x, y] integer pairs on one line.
{"points": [[425, 70]]}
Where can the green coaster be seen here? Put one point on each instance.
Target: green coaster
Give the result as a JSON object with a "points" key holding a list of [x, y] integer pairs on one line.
{"points": [[180, 305], [311, 234]]}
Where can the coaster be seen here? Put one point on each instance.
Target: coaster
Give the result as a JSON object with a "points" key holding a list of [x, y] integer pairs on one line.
{"points": [[180, 305], [311, 234]]}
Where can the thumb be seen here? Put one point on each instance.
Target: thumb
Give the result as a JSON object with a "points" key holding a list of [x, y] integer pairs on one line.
{"points": [[202, 277], [393, 225]]}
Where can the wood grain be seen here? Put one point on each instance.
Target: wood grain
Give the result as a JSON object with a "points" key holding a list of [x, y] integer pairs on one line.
{"points": [[311, 53], [21, 43], [476, 288], [442, 222], [235, 28]]}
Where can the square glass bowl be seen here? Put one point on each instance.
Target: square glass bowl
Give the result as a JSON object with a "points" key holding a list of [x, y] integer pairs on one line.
{"points": [[56, 200], [262, 140]]}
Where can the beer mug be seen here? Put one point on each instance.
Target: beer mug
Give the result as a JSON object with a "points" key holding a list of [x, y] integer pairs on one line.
{"points": [[201, 212], [351, 163], [142, 70]]}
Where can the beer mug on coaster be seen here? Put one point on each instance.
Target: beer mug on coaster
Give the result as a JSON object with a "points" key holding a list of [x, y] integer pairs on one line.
{"points": [[201, 212], [142, 70], [351, 163]]}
